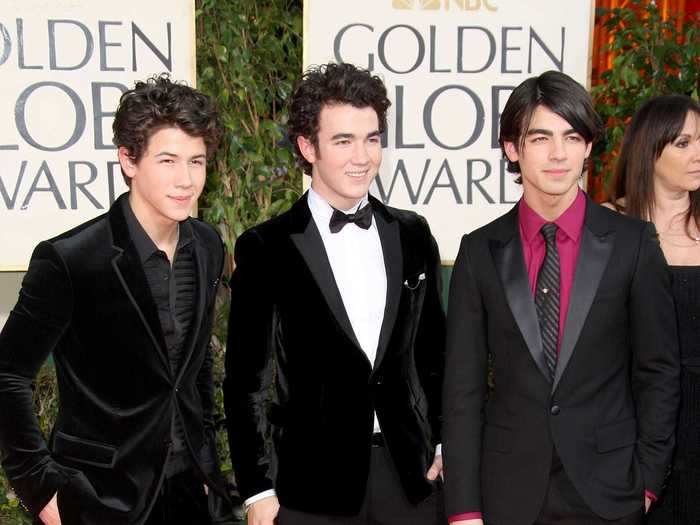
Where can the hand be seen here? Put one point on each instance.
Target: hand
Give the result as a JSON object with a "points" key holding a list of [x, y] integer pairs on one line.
{"points": [[49, 514], [647, 504], [264, 511], [435, 469]]}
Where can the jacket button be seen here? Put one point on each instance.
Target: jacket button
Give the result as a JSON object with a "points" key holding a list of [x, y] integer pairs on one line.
{"points": [[555, 410]]}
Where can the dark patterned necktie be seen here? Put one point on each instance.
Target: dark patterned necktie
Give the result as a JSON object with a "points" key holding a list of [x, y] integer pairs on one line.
{"points": [[547, 297], [362, 217]]}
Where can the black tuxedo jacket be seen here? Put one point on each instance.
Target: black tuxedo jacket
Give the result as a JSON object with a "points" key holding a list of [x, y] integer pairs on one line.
{"points": [[610, 410], [86, 299], [300, 392]]}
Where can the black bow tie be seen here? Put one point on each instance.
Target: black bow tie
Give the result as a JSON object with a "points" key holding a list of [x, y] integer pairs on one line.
{"points": [[362, 217]]}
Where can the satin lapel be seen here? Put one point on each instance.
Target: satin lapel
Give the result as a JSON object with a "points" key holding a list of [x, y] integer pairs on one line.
{"points": [[310, 245], [202, 284], [593, 256], [510, 263], [393, 261]]}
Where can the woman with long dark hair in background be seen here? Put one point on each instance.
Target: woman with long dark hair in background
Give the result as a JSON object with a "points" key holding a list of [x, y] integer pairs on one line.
{"points": [[658, 179]]}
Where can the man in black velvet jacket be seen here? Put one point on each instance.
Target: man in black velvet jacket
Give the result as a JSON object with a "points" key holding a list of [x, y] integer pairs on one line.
{"points": [[125, 303], [335, 350]]}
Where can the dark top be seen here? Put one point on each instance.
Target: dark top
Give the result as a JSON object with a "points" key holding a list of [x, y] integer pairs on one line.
{"points": [[173, 289], [680, 503]]}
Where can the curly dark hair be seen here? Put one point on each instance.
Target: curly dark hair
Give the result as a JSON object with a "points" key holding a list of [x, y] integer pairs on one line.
{"points": [[331, 84], [160, 103], [556, 91]]}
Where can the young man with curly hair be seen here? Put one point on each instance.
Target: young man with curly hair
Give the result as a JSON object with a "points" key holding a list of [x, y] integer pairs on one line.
{"points": [[335, 351], [125, 303]]}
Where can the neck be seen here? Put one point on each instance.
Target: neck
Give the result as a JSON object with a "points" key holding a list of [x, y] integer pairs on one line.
{"points": [[339, 203], [163, 232], [549, 207], [670, 208]]}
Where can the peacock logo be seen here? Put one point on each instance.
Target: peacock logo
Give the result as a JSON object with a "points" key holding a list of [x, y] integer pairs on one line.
{"points": [[434, 5]]}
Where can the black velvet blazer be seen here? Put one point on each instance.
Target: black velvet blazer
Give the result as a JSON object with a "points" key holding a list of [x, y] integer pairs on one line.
{"points": [[86, 299], [610, 410], [300, 392]]}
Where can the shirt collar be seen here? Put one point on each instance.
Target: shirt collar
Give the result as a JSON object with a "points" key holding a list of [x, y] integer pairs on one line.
{"points": [[145, 246], [570, 222], [321, 210]]}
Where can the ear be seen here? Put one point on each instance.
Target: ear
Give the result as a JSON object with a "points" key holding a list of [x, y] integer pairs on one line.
{"points": [[511, 151], [589, 147], [126, 161], [308, 150]]}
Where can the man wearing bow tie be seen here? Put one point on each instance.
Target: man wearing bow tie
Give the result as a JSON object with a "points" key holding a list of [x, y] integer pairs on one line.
{"points": [[335, 350]]}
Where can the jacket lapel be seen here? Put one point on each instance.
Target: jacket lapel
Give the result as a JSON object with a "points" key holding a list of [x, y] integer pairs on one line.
{"points": [[508, 257], [308, 241], [597, 243], [130, 273], [390, 238]]}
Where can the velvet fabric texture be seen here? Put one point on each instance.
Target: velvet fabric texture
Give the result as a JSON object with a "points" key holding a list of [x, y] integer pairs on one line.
{"points": [[610, 409], [86, 299], [299, 391]]}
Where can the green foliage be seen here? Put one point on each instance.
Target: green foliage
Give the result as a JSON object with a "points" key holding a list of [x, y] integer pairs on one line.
{"points": [[653, 57], [248, 58]]}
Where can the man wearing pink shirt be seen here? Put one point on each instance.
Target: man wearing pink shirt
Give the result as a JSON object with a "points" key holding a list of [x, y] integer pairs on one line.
{"points": [[570, 305]]}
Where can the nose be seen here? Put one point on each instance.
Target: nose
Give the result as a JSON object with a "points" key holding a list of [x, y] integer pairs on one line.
{"points": [[183, 177], [557, 149], [359, 154]]}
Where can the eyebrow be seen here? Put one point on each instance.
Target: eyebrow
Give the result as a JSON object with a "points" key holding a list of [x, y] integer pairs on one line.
{"points": [[175, 155], [549, 132], [338, 136]]}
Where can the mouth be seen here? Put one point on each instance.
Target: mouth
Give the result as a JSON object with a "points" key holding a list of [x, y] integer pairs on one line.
{"points": [[357, 174], [181, 198], [559, 172]]}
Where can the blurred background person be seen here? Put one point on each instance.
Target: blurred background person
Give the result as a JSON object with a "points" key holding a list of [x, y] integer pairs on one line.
{"points": [[658, 179]]}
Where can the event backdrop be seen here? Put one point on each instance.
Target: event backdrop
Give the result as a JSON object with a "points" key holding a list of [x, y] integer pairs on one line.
{"points": [[64, 65], [450, 66]]}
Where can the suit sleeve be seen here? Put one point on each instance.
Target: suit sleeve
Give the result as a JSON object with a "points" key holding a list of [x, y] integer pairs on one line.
{"points": [[656, 361], [32, 332], [250, 366], [464, 389], [430, 338]]}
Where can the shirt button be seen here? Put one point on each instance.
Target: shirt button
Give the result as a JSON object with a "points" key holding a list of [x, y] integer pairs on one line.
{"points": [[555, 410]]}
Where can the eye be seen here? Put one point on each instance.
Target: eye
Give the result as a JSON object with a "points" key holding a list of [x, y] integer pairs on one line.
{"points": [[574, 138], [374, 140], [166, 161], [197, 162], [683, 143], [343, 142], [539, 139]]}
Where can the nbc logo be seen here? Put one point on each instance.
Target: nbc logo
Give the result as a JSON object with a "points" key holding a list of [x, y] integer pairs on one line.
{"points": [[463, 5]]}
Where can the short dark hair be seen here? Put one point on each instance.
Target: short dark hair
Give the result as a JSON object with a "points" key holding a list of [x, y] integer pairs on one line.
{"points": [[161, 103], [331, 84], [657, 123], [559, 93]]}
